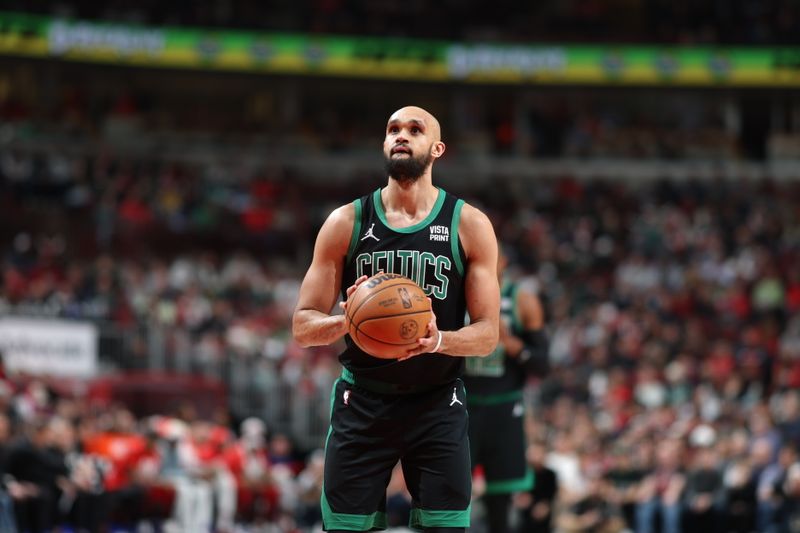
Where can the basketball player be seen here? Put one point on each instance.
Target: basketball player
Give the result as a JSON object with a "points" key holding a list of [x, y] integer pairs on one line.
{"points": [[409, 409], [495, 383]]}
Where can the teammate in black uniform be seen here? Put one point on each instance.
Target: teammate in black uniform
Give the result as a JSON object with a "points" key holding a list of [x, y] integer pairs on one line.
{"points": [[494, 384], [409, 409]]}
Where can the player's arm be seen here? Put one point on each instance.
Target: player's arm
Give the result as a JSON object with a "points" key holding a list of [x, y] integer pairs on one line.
{"points": [[482, 290], [531, 348], [312, 323]]}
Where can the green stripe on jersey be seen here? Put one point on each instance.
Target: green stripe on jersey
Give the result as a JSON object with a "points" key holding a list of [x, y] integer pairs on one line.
{"points": [[351, 522], [454, 235], [356, 229], [424, 518]]}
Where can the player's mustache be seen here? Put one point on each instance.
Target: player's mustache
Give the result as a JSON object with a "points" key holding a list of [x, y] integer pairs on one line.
{"points": [[401, 147]]}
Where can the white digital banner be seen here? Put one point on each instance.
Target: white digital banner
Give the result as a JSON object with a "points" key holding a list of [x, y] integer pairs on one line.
{"points": [[47, 347]]}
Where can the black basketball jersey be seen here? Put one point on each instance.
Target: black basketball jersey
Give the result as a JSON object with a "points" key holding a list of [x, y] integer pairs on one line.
{"points": [[428, 252], [497, 373]]}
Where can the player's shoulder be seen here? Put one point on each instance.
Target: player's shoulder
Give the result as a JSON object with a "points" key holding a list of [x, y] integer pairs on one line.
{"points": [[473, 219], [338, 226], [475, 230], [343, 214], [341, 218]]}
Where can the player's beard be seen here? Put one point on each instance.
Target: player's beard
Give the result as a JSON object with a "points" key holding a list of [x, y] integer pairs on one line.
{"points": [[408, 169]]}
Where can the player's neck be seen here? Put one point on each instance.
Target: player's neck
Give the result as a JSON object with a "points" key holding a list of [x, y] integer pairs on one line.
{"points": [[411, 199]]}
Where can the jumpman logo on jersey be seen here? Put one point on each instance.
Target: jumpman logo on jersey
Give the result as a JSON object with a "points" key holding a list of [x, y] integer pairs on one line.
{"points": [[369, 234], [455, 399]]}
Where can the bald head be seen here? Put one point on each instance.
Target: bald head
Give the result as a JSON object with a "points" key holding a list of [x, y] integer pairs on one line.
{"points": [[412, 143], [427, 120]]}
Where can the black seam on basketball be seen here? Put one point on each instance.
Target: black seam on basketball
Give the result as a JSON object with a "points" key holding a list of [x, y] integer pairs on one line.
{"points": [[371, 296], [387, 343], [393, 316], [358, 330], [409, 343]]}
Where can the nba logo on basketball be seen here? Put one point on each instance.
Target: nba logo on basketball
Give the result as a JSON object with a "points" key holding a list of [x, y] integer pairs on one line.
{"points": [[405, 297]]}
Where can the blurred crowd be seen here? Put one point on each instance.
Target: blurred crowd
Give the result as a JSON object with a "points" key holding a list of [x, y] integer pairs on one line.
{"points": [[70, 464], [673, 313], [228, 122], [673, 307], [675, 341], [730, 22]]}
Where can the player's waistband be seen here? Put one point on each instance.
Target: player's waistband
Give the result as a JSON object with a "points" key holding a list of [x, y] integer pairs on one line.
{"points": [[381, 387]]}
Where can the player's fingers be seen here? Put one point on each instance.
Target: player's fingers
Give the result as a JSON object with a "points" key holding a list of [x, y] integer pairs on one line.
{"points": [[432, 327], [351, 289], [426, 344], [410, 354]]}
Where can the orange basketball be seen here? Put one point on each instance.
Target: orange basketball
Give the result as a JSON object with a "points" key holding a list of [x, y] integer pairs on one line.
{"points": [[387, 314]]}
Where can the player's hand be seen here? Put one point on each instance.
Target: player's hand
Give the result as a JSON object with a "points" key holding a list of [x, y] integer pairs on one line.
{"points": [[429, 342], [351, 289]]}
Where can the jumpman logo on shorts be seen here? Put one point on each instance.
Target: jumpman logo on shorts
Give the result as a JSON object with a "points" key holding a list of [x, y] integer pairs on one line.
{"points": [[369, 234], [455, 399]]}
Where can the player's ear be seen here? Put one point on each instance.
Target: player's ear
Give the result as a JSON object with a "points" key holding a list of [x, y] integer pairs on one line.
{"points": [[437, 149]]}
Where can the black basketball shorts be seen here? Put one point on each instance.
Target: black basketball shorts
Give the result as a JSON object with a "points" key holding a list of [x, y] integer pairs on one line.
{"points": [[497, 441], [370, 431]]}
